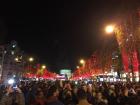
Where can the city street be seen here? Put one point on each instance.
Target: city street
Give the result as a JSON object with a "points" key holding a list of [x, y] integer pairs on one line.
{"points": [[61, 52]]}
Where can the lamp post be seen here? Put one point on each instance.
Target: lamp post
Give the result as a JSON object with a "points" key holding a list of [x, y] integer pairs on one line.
{"points": [[109, 29], [82, 61], [31, 59], [43, 67], [119, 37]]}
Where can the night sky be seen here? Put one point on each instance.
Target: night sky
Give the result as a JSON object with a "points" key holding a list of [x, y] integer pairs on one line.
{"points": [[59, 32]]}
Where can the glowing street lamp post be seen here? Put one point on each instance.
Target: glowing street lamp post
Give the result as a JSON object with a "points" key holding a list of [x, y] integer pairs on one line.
{"points": [[112, 29], [82, 62], [109, 29], [31, 59]]}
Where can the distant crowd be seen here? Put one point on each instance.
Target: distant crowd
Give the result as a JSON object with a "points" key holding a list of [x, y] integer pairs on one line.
{"points": [[46, 92]]}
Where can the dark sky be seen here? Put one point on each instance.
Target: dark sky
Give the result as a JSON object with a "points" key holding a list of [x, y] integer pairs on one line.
{"points": [[59, 32]]}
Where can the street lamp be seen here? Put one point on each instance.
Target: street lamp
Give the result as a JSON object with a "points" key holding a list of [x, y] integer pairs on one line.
{"points": [[31, 59], [109, 29], [82, 61], [16, 59], [43, 67], [116, 30]]}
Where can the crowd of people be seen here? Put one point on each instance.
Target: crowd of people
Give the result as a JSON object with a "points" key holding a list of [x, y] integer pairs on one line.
{"points": [[46, 92]]}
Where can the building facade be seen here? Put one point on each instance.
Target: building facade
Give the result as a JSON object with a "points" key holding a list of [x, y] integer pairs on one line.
{"points": [[11, 61]]}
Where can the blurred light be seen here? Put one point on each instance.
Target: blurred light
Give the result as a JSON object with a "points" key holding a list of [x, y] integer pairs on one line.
{"points": [[109, 29], [82, 61], [113, 58], [12, 52], [76, 82], [115, 73], [127, 39], [115, 80], [31, 59], [124, 80], [77, 67], [5, 51], [111, 79], [124, 75], [37, 79], [131, 35], [131, 74], [118, 79], [20, 57], [63, 79], [43, 66], [116, 56], [16, 59], [137, 74], [11, 81], [109, 74], [131, 79], [101, 79], [41, 78], [105, 72], [137, 79], [14, 46], [86, 82], [14, 75]]}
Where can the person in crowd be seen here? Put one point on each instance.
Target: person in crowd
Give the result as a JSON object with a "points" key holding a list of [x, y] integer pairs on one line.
{"points": [[52, 96], [100, 100], [124, 98], [57, 92], [90, 97], [40, 98], [74, 95], [82, 97], [68, 98], [13, 97], [112, 98]]}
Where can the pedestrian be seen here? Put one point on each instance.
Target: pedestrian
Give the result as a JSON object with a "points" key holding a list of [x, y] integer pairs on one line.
{"points": [[82, 97], [52, 96]]}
